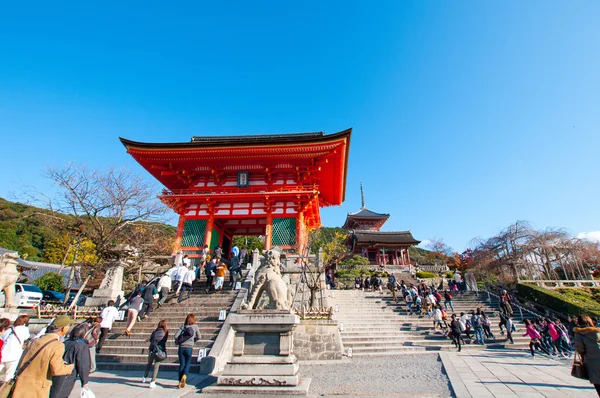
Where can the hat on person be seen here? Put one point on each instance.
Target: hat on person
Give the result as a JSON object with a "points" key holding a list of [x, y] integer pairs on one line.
{"points": [[62, 321]]}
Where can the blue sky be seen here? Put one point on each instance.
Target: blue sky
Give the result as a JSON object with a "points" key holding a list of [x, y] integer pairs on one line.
{"points": [[467, 116]]}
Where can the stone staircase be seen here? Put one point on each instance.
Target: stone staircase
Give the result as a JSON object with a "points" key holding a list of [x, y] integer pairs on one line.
{"points": [[374, 325], [131, 353]]}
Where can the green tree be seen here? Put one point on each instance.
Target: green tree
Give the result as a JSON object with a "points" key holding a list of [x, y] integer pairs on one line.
{"points": [[50, 281], [354, 262], [331, 240], [250, 242]]}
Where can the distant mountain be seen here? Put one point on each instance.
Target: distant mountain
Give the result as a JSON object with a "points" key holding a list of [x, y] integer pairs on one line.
{"points": [[37, 233]]}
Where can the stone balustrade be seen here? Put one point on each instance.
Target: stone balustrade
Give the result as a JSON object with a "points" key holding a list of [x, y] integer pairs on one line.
{"points": [[559, 284]]}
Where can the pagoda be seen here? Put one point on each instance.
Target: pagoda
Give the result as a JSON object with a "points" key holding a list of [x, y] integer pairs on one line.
{"points": [[366, 239], [261, 185]]}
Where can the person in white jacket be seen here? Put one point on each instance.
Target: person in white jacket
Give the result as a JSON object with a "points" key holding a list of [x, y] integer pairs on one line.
{"points": [[13, 338], [186, 284], [164, 287]]}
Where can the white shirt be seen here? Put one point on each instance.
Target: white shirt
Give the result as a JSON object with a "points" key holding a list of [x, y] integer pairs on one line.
{"points": [[432, 299], [12, 349], [108, 315], [179, 273], [189, 276], [186, 262], [164, 281]]}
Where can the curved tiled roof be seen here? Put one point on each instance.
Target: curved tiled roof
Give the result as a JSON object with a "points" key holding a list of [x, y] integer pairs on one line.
{"points": [[393, 237]]}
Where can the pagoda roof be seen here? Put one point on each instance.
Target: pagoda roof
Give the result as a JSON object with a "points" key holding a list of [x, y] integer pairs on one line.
{"points": [[378, 237], [326, 156], [366, 213], [354, 220]]}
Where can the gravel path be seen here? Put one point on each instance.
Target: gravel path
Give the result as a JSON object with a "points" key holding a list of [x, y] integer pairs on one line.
{"points": [[392, 376]]}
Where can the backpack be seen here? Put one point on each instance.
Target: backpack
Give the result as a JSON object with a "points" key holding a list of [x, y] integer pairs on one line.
{"points": [[462, 325], [186, 334]]}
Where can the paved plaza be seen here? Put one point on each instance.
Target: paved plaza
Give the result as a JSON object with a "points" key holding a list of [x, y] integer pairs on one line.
{"points": [[489, 373], [508, 373]]}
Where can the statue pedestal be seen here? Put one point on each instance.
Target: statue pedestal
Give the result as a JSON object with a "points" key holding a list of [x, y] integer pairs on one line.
{"points": [[262, 362], [110, 288]]}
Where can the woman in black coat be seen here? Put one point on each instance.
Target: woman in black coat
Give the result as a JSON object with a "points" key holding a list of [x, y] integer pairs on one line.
{"points": [[158, 339], [76, 352]]}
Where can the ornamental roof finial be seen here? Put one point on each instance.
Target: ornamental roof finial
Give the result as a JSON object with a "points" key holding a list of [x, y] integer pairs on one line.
{"points": [[362, 196]]}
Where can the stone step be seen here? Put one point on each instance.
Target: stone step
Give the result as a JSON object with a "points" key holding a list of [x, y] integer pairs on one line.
{"points": [[171, 349], [139, 358], [139, 340], [140, 367]]}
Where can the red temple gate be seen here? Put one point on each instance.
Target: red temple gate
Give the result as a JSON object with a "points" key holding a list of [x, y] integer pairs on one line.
{"points": [[264, 185]]}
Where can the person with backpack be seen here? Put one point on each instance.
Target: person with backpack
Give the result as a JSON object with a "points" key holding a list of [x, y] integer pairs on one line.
{"points": [[455, 332], [477, 327], [185, 338], [12, 349], [233, 266], [448, 300], [210, 272], [535, 338], [43, 360], [157, 351], [487, 326], [148, 296], [510, 328], [466, 320], [78, 354], [409, 303], [393, 285], [92, 337]]}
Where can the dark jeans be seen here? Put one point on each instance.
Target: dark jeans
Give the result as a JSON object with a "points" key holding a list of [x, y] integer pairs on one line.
{"points": [[103, 336], [209, 282], [184, 287], [152, 359], [146, 309], [185, 360]]}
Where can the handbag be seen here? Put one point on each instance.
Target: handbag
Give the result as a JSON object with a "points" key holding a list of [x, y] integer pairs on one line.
{"points": [[579, 370], [7, 389], [159, 354]]}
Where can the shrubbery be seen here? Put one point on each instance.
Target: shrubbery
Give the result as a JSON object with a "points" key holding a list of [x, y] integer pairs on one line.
{"points": [[50, 281], [449, 274], [426, 275], [567, 301]]}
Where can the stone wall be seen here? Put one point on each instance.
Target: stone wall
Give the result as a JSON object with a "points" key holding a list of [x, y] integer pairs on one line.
{"points": [[318, 340]]}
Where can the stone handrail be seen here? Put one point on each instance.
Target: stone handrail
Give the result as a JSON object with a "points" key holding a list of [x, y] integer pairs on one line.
{"points": [[557, 284]]}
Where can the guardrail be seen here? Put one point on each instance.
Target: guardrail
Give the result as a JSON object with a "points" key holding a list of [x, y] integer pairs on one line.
{"points": [[512, 304], [557, 284]]}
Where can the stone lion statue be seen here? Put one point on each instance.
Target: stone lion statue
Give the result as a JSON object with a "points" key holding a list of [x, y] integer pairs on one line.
{"points": [[268, 279], [8, 276]]}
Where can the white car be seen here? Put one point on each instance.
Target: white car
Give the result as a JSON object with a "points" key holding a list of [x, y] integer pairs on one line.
{"points": [[25, 296]]}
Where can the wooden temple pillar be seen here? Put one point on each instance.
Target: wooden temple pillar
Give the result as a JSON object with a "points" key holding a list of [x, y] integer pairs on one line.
{"points": [[209, 227], [180, 226], [269, 231], [300, 233]]}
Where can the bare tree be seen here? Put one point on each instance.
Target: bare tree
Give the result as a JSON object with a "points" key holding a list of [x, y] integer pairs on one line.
{"points": [[519, 251], [105, 202]]}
